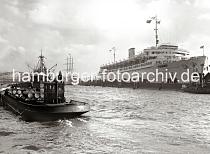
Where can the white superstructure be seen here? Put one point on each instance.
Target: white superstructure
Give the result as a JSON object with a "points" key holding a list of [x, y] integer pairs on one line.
{"points": [[165, 57]]}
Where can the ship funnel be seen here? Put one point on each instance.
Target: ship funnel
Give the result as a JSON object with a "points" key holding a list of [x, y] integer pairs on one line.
{"points": [[131, 53]]}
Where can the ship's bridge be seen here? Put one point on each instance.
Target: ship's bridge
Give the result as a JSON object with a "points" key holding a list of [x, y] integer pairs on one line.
{"points": [[166, 53]]}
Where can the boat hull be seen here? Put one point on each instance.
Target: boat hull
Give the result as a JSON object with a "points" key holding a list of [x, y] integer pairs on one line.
{"points": [[42, 116], [197, 90], [45, 112]]}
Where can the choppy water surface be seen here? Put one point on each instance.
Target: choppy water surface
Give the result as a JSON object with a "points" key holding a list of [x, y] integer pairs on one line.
{"points": [[120, 121]]}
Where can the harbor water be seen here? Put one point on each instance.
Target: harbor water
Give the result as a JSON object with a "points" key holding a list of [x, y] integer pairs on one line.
{"points": [[121, 120]]}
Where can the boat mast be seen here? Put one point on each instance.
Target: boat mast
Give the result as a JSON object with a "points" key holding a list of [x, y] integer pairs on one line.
{"points": [[40, 65]]}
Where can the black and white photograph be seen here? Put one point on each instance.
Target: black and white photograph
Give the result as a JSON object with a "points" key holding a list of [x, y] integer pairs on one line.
{"points": [[104, 77]]}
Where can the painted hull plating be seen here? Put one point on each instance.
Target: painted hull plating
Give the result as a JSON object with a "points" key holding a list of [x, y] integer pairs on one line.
{"points": [[195, 64], [197, 90]]}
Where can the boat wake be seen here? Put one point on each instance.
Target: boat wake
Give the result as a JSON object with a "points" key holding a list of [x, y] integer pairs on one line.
{"points": [[66, 122]]}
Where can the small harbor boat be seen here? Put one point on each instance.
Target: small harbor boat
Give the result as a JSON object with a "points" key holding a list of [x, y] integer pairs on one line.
{"points": [[202, 87], [41, 100], [197, 89]]}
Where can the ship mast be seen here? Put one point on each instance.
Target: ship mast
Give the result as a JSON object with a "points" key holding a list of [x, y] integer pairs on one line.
{"points": [[70, 63], [157, 21], [41, 64]]}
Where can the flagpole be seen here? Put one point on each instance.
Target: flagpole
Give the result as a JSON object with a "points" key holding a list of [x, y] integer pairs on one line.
{"points": [[114, 54], [202, 47]]}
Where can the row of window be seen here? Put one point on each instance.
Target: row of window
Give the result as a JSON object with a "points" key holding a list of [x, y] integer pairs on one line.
{"points": [[166, 52]]}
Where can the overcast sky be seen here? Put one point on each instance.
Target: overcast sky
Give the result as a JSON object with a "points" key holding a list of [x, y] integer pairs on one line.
{"points": [[89, 28]]}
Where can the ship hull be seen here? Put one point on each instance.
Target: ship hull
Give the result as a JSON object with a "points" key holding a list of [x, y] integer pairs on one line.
{"points": [[51, 112], [138, 85], [176, 69], [195, 64]]}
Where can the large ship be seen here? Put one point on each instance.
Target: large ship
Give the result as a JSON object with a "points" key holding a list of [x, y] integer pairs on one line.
{"points": [[175, 64]]}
